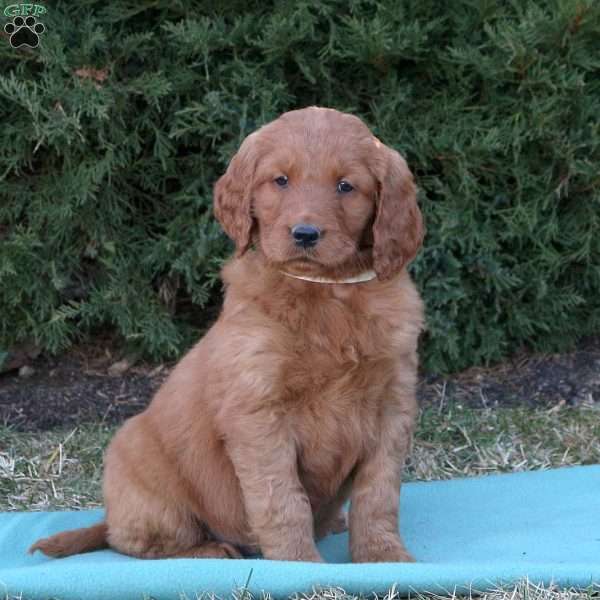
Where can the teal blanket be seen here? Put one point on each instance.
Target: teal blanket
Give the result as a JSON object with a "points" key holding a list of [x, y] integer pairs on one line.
{"points": [[469, 533]]}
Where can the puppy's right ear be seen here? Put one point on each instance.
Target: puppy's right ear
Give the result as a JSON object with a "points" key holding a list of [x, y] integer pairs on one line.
{"points": [[232, 197]]}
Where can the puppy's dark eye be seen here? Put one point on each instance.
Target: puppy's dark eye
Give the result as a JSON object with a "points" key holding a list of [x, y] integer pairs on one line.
{"points": [[343, 187], [281, 181]]}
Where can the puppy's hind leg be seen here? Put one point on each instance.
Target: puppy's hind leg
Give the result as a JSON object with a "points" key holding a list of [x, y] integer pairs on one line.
{"points": [[147, 526], [173, 535]]}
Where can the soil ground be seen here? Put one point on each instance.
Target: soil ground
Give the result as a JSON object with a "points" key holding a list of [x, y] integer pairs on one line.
{"points": [[89, 384]]}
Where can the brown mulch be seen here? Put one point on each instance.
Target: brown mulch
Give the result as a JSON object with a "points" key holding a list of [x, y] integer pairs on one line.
{"points": [[91, 385], [570, 379]]}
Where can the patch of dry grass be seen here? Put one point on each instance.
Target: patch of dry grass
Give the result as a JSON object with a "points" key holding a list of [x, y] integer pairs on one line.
{"points": [[460, 442], [62, 469], [52, 469], [524, 590]]}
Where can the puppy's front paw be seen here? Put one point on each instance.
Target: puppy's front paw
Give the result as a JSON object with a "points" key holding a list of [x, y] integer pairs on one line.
{"points": [[295, 553], [310, 557], [388, 551], [339, 523]]}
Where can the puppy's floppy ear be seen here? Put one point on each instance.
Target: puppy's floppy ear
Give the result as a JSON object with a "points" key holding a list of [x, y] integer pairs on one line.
{"points": [[398, 227], [232, 197]]}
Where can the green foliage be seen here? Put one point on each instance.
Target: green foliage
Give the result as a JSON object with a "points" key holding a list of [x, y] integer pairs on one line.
{"points": [[115, 129]]}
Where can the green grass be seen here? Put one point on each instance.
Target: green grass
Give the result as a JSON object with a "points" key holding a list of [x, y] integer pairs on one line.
{"points": [[62, 469]]}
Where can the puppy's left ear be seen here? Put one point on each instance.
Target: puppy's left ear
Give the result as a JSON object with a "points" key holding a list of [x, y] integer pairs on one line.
{"points": [[398, 227], [232, 197]]}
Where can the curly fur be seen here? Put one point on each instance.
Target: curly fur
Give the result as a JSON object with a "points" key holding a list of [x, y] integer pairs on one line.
{"points": [[301, 395]]}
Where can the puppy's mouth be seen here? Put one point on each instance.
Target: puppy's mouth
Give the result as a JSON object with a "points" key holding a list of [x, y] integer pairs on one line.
{"points": [[336, 257], [304, 260], [306, 255], [310, 254]]}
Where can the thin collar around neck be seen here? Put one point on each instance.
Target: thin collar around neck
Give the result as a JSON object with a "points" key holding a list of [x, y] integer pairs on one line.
{"points": [[360, 278]]}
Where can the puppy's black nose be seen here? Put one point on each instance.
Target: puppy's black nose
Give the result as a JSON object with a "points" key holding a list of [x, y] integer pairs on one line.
{"points": [[305, 235]]}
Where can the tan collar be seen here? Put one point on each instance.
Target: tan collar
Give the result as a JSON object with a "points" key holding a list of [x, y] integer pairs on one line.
{"points": [[364, 276]]}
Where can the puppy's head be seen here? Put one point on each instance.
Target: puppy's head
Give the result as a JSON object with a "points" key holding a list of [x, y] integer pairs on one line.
{"points": [[318, 194]]}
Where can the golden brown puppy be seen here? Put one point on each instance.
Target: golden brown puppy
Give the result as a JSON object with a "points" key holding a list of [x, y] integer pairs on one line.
{"points": [[302, 393]]}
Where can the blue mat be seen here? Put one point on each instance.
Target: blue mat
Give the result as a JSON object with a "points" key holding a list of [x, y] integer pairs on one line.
{"points": [[469, 533]]}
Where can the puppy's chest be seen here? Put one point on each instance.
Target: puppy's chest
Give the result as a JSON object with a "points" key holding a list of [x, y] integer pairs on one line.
{"points": [[335, 345], [334, 386], [331, 434]]}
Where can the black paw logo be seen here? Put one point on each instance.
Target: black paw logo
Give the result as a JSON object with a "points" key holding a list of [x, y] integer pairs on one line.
{"points": [[24, 32]]}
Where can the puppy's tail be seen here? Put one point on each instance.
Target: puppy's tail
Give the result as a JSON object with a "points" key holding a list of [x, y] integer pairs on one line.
{"points": [[74, 541]]}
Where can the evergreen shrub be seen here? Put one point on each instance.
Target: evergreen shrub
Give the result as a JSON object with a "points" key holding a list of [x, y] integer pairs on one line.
{"points": [[114, 130]]}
